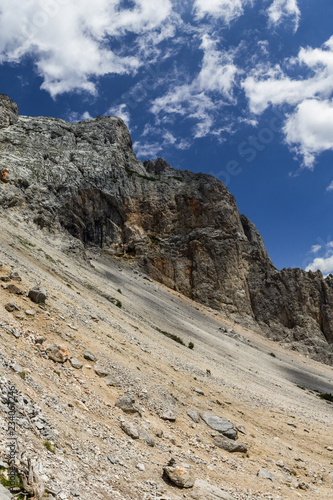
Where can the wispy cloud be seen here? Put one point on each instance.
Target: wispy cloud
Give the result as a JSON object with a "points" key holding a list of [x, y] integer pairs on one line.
{"points": [[201, 98], [309, 126], [282, 9]]}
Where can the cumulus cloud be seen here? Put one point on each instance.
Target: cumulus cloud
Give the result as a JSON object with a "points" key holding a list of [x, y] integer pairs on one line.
{"points": [[309, 126], [74, 41], [206, 93], [310, 129], [325, 265], [282, 9]]}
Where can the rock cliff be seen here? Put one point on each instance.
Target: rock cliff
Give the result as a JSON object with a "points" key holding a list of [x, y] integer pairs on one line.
{"points": [[183, 228]]}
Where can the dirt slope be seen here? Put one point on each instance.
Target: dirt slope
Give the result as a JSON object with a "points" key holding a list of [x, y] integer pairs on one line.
{"points": [[254, 382]]}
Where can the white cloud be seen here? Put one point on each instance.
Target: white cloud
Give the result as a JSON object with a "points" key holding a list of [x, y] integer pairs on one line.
{"points": [[74, 116], [309, 126], [147, 150], [281, 9], [152, 149], [224, 9], [315, 248], [71, 41], [209, 90], [121, 112], [325, 265], [310, 129], [271, 86]]}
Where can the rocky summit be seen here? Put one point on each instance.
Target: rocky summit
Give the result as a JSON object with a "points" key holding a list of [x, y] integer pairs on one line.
{"points": [[131, 298], [183, 229]]}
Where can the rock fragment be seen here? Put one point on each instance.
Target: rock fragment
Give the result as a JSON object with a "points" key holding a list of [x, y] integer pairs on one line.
{"points": [[130, 429], [57, 353], [229, 444]]}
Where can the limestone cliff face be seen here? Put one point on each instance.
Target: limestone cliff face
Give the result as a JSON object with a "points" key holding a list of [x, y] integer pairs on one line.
{"points": [[183, 228]]}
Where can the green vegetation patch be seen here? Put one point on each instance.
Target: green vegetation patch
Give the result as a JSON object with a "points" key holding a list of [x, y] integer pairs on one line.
{"points": [[171, 336]]}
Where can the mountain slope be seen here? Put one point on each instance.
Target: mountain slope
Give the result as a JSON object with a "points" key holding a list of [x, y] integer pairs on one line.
{"points": [[183, 229], [253, 382]]}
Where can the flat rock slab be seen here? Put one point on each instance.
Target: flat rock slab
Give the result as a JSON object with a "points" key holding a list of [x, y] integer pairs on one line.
{"points": [[205, 491], [217, 423], [194, 416], [168, 415], [130, 429], [229, 445], [265, 474], [180, 476]]}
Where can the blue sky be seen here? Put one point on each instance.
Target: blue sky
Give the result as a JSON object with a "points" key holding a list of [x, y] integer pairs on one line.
{"points": [[240, 89]]}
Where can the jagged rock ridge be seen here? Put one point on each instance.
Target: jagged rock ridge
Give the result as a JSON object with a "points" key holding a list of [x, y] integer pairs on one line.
{"points": [[183, 228]]}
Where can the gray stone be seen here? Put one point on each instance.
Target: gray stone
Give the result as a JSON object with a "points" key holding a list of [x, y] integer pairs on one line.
{"points": [[30, 312], [127, 404], [147, 437], [168, 415], [180, 476], [199, 391], [101, 371], [229, 444], [57, 353], [11, 307], [219, 424], [112, 381], [194, 415], [206, 491], [89, 356], [130, 429], [74, 492], [38, 294], [76, 363], [265, 474]]}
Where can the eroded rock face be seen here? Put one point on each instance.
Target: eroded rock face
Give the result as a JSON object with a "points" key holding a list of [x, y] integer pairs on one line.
{"points": [[183, 228], [8, 111]]}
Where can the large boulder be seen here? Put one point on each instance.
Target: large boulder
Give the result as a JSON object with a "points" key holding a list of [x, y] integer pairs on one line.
{"points": [[38, 295]]}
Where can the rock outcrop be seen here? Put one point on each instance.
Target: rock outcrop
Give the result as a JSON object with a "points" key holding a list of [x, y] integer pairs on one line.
{"points": [[183, 228]]}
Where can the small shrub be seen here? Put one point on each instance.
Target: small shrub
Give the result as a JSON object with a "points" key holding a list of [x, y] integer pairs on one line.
{"points": [[119, 291], [191, 345], [326, 397], [119, 304], [23, 375], [171, 336], [49, 446]]}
